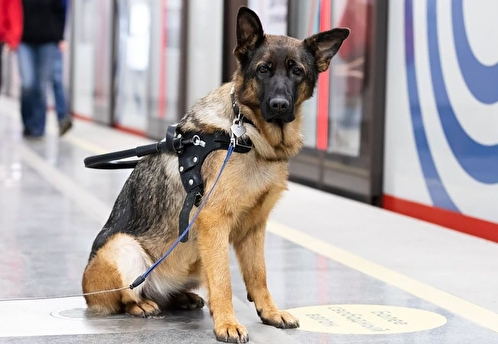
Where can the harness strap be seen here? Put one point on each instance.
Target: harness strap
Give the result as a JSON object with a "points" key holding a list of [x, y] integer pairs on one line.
{"points": [[184, 219], [190, 161]]}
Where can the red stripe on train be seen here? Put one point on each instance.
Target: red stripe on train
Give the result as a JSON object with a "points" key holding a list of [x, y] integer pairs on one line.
{"points": [[459, 222], [115, 126], [322, 121], [130, 130]]}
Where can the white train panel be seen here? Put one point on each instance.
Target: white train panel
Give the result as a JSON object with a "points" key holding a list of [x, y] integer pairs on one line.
{"points": [[441, 146]]}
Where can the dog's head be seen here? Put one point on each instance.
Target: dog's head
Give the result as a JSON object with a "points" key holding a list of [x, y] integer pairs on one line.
{"points": [[277, 73]]}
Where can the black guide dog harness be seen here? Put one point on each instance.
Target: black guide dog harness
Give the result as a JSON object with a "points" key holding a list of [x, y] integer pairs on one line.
{"points": [[192, 149], [190, 160]]}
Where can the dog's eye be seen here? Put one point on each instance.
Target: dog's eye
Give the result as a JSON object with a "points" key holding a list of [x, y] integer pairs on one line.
{"points": [[297, 71], [263, 69]]}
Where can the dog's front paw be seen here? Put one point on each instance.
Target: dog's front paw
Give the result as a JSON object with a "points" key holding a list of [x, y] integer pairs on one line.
{"points": [[231, 333], [280, 319], [143, 309]]}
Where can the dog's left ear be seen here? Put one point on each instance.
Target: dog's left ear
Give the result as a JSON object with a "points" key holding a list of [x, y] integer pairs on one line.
{"points": [[325, 45], [249, 32]]}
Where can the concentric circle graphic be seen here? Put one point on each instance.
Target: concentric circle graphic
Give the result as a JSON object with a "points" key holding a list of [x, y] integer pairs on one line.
{"points": [[440, 120], [481, 80], [479, 161]]}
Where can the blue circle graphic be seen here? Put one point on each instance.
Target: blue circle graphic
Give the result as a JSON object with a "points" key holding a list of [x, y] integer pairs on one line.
{"points": [[435, 186], [481, 80], [478, 160]]}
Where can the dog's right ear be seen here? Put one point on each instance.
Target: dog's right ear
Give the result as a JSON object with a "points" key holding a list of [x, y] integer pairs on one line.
{"points": [[249, 33]]}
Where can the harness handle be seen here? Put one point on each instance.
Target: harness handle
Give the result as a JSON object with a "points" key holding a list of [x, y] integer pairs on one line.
{"points": [[111, 161]]}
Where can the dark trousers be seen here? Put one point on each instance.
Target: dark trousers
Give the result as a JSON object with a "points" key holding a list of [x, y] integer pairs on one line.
{"points": [[36, 66]]}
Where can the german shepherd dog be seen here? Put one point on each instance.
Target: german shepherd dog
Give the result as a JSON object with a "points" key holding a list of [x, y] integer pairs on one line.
{"points": [[275, 75]]}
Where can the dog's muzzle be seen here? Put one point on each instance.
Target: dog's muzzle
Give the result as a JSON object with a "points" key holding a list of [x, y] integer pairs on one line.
{"points": [[279, 110]]}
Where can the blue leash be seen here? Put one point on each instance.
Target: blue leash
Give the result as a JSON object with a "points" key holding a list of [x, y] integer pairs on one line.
{"points": [[140, 279]]}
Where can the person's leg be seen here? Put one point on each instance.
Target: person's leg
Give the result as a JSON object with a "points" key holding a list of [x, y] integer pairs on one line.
{"points": [[59, 97], [65, 121], [26, 63], [45, 56]]}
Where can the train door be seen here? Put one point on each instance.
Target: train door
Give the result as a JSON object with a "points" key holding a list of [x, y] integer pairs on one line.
{"points": [[165, 66], [147, 65], [203, 48], [91, 59], [131, 79], [343, 122]]}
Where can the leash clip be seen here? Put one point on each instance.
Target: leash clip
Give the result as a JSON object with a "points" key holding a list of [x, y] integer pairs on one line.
{"points": [[196, 141], [238, 129]]}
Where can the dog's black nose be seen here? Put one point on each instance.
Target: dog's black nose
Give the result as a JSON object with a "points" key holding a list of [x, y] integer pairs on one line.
{"points": [[279, 104]]}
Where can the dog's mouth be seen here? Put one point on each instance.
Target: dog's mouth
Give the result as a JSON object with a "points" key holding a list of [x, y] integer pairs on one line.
{"points": [[281, 121], [279, 117]]}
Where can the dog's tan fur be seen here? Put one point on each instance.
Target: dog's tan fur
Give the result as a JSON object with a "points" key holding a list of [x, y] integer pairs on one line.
{"points": [[236, 212]]}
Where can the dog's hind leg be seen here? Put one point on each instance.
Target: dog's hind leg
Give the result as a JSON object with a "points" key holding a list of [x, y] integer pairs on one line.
{"points": [[101, 275], [186, 300], [116, 265]]}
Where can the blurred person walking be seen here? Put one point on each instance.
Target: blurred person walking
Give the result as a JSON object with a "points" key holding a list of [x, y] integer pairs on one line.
{"points": [[10, 27], [43, 30]]}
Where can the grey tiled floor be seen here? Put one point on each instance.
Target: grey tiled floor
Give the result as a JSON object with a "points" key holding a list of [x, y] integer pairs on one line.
{"points": [[321, 250]]}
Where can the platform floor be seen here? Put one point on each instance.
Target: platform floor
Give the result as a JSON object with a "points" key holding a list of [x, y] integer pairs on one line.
{"points": [[352, 273]]}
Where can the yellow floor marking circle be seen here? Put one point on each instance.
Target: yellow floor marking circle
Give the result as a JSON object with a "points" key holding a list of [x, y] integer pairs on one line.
{"points": [[365, 319]]}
